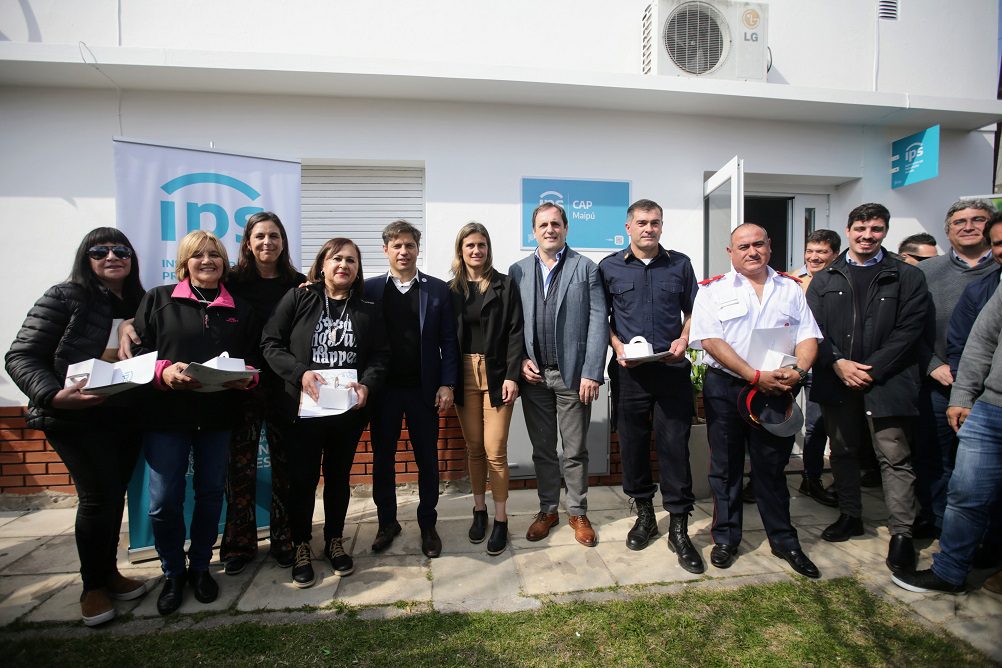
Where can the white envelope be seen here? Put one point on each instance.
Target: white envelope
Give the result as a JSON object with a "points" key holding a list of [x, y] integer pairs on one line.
{"points": [[106, 379]]}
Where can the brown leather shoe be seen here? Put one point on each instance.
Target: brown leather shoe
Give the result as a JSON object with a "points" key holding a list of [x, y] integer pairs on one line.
{"points": [[96, 607], [583, 533], [540, 527]]}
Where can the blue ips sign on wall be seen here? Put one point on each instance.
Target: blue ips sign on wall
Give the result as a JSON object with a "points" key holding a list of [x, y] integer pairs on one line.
{"points": [[915, 158], [596, 210]]}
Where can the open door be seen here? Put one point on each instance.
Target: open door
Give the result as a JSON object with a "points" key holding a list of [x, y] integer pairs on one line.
{"points": [[723, 210]]}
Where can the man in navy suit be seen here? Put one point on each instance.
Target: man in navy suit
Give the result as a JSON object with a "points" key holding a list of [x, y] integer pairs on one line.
{"points": [[566, 338], [423, 367]]}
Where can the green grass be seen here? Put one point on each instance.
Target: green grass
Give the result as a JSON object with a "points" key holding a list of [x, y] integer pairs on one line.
{"points": [[835, 622]]}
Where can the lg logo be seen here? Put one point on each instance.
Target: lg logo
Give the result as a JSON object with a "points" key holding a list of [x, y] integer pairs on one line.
{"points": [[194, 211]]}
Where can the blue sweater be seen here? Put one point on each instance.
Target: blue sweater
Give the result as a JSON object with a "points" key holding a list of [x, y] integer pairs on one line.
{"points": [[971, 301]]}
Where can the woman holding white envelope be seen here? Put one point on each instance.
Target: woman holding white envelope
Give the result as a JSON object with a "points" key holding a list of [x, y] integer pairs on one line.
{"points": [[74, 322], [194, 321], [329, 345]]}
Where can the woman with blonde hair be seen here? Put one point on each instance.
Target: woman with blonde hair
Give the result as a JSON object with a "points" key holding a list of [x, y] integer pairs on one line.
{"points": [[489, 328], [193, 321]]}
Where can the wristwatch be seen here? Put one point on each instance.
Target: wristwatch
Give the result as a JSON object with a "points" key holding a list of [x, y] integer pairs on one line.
{"points": [[803, 374]]}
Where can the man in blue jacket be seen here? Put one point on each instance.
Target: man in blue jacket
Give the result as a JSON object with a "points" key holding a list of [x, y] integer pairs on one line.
{"points": [[423, 367], [566, 338]]}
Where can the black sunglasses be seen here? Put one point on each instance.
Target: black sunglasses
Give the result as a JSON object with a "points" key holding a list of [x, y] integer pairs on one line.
{"points": [[920, 258], [101, 252]]}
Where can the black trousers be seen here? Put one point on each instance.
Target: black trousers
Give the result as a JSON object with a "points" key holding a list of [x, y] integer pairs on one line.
{"points": [[327, 444], [729, 435], [658, 396], [101, 464], [388, 409]]}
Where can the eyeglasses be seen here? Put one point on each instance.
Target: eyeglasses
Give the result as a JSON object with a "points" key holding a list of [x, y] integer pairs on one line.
{"points": [[976, 220], [101, 252], [919, 258]]}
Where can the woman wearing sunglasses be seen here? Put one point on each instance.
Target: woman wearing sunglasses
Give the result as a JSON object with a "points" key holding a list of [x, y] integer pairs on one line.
{"points": [[95, 437], [194, 321], [264, 273]]}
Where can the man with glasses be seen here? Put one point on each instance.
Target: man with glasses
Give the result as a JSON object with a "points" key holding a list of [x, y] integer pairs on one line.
{"points": [[918, 248], [968, 259]]}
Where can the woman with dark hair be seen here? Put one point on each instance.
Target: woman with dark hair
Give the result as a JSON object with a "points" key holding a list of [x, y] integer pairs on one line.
{"points": [[263, 274], [95, 437], [194, 321], [489, 328], [326, 326]]}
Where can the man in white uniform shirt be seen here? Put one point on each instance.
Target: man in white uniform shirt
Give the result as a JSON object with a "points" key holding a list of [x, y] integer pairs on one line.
{"points": [[727, 310]]}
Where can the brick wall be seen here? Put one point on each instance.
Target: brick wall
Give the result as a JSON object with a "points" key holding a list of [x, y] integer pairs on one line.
{"points": [[28, 464]]}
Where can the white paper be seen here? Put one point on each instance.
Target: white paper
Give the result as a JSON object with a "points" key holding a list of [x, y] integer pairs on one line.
{"points": [[311, 409], [105, 378], [770, 348], [646, 358], [213, 378]]}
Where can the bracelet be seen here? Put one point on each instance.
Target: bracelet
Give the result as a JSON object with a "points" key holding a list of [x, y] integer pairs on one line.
{"points": [[758, 374]]}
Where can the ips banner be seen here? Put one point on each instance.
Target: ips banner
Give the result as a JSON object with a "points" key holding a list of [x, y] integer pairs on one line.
{"points": [[164, 192]]}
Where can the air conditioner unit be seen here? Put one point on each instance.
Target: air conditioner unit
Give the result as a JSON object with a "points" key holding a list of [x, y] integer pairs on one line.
{"points": [[709, 40]]}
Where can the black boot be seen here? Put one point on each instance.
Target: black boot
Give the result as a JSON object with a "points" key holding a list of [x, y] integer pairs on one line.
{"points": [[814, 488], [679, 543], [499, 538], [478, 530], [646, 526], [900, 554]]}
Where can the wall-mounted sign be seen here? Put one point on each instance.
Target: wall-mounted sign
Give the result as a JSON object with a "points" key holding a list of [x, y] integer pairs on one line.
{"points": [[596, 210], [915, 158]]}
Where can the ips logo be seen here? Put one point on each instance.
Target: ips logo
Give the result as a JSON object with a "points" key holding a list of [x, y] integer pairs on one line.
{"points": [[551, 196], [194, 211]]}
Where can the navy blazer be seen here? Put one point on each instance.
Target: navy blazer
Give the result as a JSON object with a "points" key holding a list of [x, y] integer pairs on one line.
{"points": [[439, 348]]}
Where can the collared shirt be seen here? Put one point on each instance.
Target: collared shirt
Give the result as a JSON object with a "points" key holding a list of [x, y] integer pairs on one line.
{"points": [[547, 272], [402, 286], [648, 300], [729, 309], [872, 261], [805, 277], [984, 258]]}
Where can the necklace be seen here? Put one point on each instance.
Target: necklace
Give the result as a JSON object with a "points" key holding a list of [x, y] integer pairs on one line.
{"points": [[340, 320], [201, 297]]}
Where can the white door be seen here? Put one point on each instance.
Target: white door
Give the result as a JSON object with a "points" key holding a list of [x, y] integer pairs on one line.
{"points": [[723, 210], [810, 212]]}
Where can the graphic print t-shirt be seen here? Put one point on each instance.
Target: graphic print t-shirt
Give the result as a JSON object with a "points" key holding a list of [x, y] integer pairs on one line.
{"points": [[334, 345]]}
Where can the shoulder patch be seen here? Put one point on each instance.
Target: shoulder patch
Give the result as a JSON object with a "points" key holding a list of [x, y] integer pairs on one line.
{"points": [[711, 279], [789, 276]]}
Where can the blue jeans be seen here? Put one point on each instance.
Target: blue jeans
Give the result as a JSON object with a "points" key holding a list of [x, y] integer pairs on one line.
{"points": [[167, 455], [974, 488]]}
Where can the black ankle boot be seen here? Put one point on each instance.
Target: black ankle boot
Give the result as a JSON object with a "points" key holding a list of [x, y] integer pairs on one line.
{"points": [[478, 530], [499, 538], [679, 543], [645, 528]]}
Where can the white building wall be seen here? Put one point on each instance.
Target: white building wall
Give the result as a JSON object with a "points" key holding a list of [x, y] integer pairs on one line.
{"points": [[57, 179], [932, 49]]}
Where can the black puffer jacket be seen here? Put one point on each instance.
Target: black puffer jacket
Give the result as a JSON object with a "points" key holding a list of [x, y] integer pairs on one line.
{"points": [[893, 324], [67, 325]]}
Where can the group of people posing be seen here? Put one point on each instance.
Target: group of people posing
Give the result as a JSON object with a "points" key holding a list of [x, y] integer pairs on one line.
{"points": [[419, 346]]}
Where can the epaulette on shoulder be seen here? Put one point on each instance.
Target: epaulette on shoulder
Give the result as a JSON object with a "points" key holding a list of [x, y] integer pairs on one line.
{"points": [[711, 279], [789, 276]]}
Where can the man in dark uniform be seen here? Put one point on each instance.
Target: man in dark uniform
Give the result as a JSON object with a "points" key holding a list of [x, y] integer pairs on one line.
{"points": [[649, 290], [423, 369]]}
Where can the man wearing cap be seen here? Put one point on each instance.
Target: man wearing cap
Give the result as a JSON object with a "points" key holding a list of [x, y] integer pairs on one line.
{"points": [[872, 308], [728, 310], [649, 291]]}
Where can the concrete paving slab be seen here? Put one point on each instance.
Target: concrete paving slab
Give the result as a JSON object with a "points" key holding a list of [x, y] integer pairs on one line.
{"points": [[408, 542], [456, 507], [58, 555], [982, 633], [455, 538], [561, 568], [945, 608], [12, 549], [832, 563], [49, 522], [602, 498], [20, 594], [10, 515], [272, 589], [64, 605], [655, 563], [475, 582], [386, 579]]}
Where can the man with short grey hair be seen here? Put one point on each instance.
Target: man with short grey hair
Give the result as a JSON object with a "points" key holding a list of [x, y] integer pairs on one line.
{"points": [[968, 259], [566, 335]]}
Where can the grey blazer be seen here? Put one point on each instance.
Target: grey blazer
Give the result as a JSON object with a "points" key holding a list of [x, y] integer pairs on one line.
{"points": [[582, 324]]}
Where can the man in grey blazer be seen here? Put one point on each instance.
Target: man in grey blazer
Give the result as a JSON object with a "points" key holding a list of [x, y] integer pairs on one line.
{"points": [[566, 338]]}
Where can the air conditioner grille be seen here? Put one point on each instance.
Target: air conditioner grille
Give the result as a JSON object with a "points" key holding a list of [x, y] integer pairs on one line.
{"points": [[696, 37]]}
